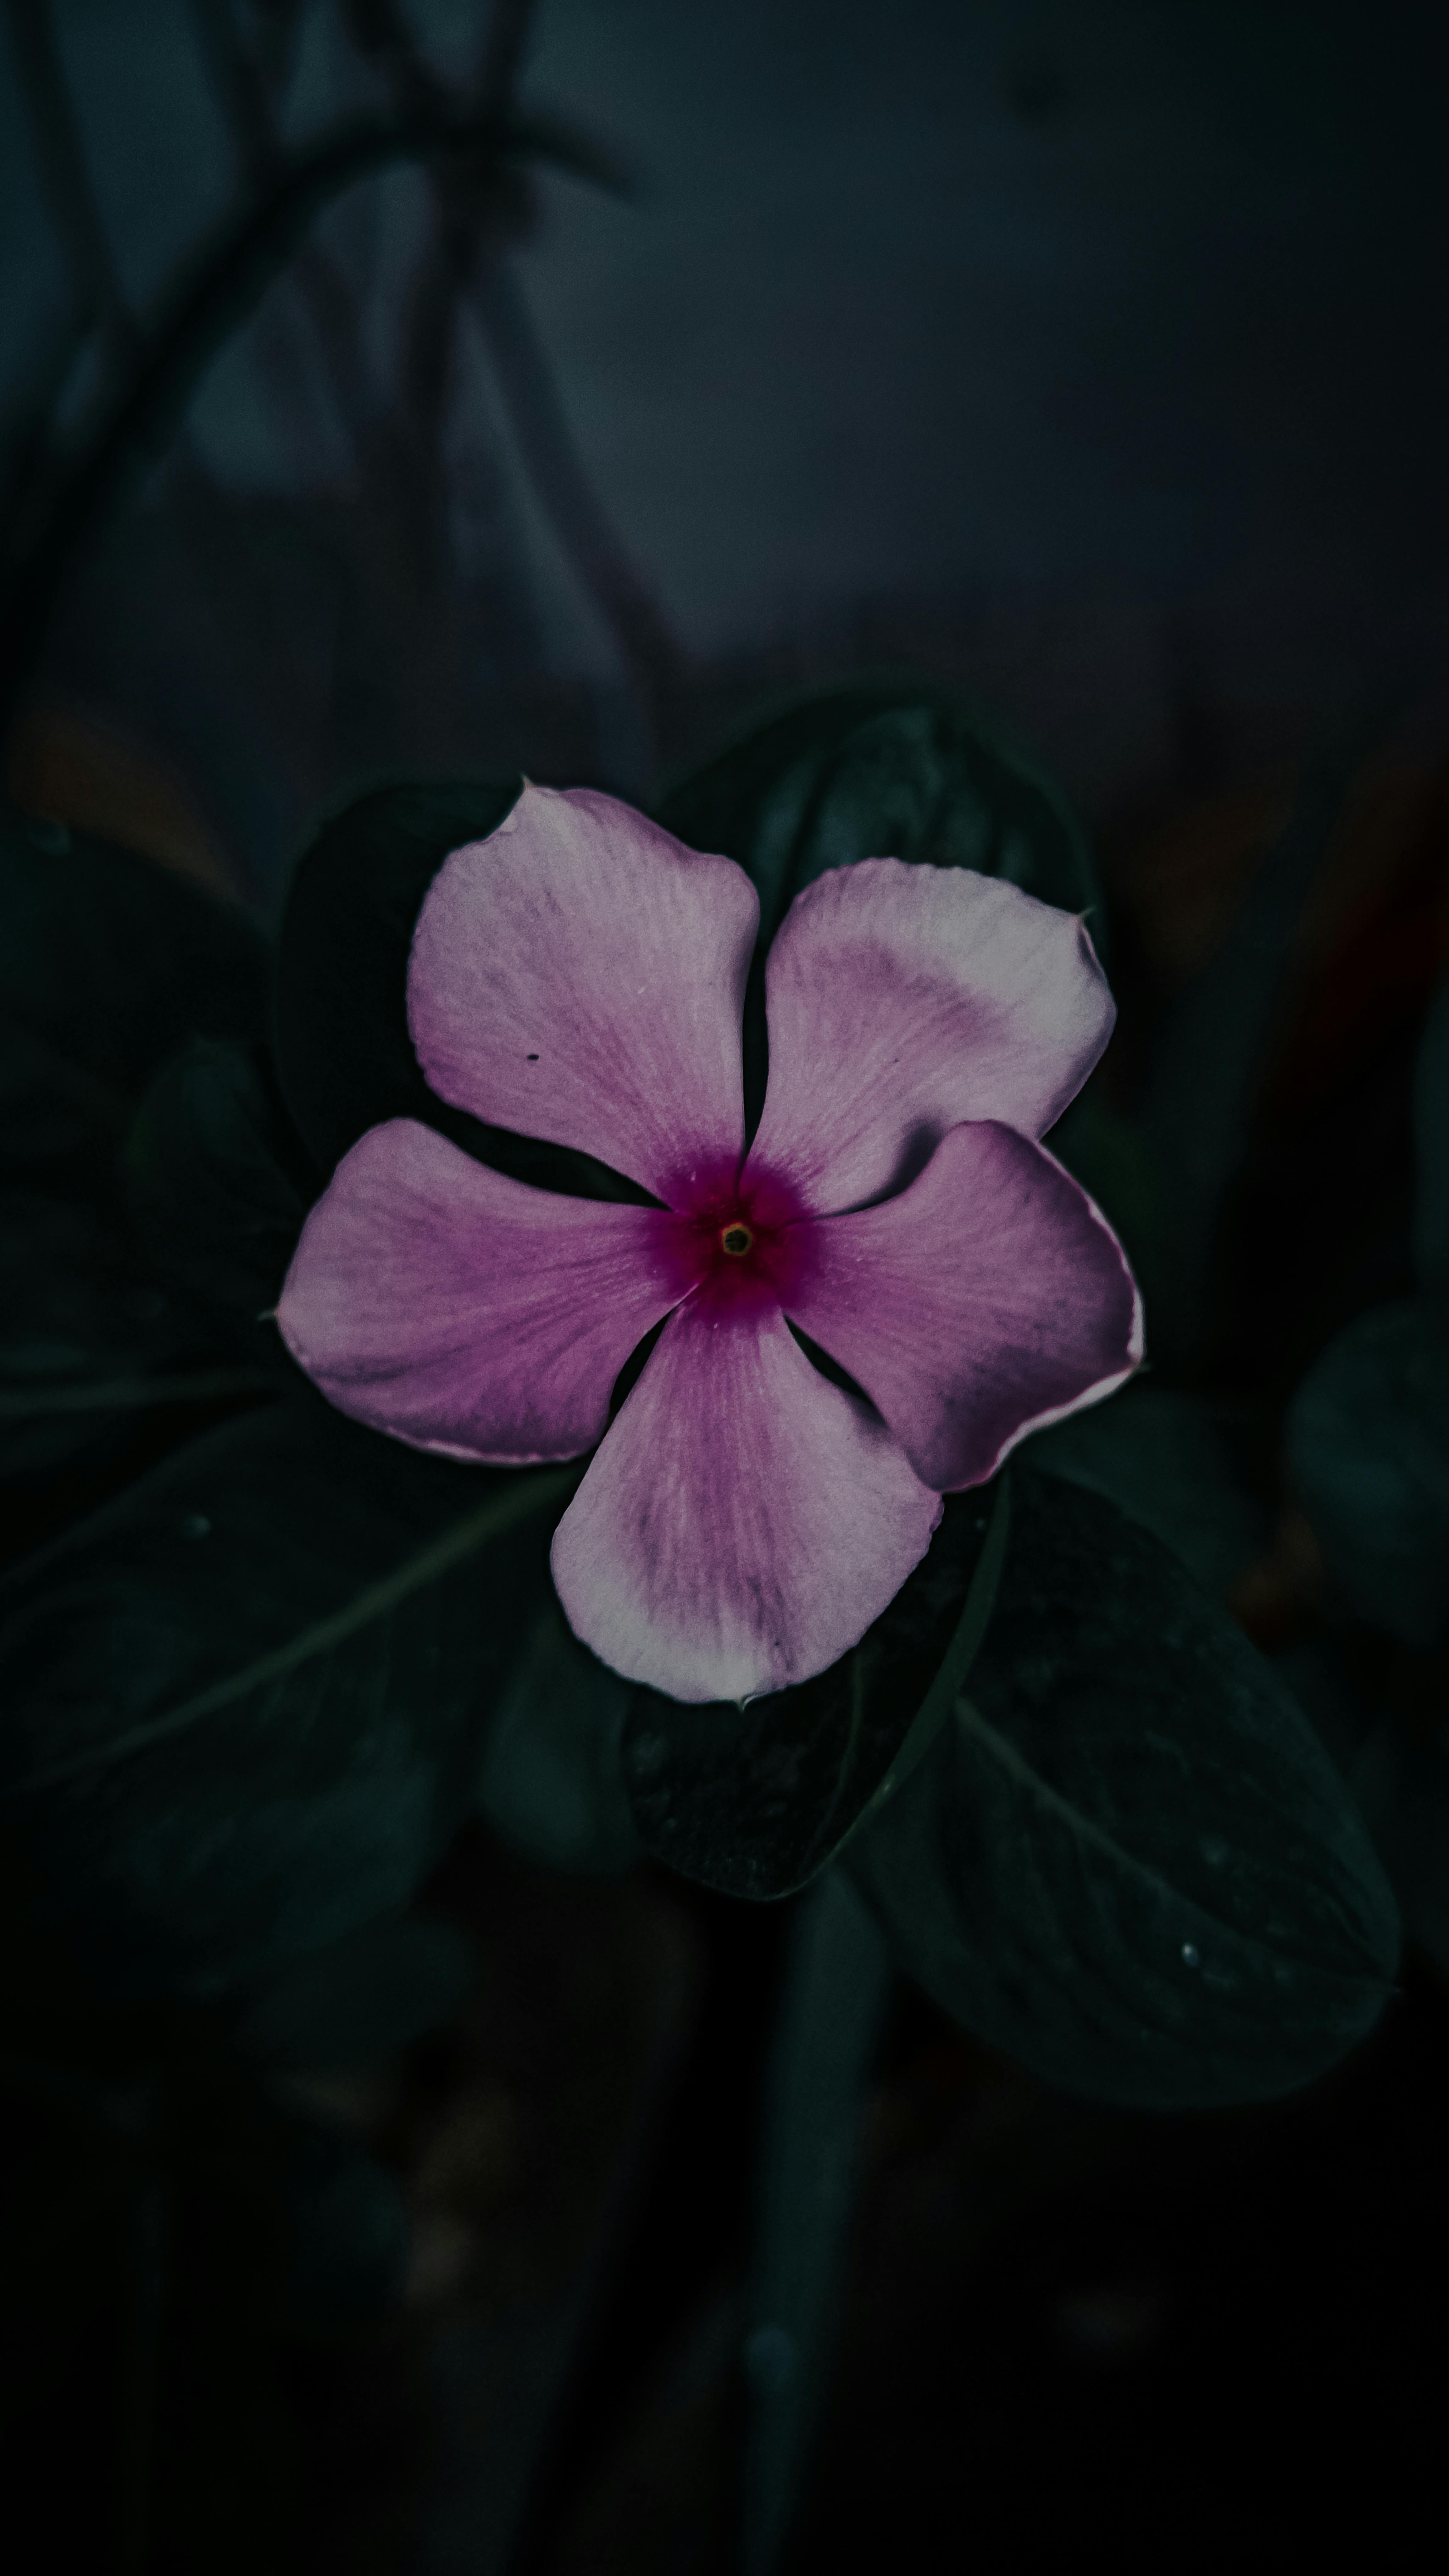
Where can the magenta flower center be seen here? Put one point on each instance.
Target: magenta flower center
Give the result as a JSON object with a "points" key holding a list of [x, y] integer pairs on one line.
{"points": [[744, 1240]]}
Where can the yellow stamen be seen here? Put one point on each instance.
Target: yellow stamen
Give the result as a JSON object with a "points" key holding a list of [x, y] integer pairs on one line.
{"points": [[736, 1240]]}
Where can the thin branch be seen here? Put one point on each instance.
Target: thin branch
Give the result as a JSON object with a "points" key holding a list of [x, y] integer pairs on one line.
{"points": [[444, 272], [241, 89], [96, 291], [200, 315], [28, 456], [382, 37], [508, 33], [96, 294], [332, 308], [650, 651], [279, 29], [580, 521]]}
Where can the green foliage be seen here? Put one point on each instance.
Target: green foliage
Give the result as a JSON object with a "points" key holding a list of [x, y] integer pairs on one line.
{"points": [[248, 1702], [754, 1800], [107, 964], [244, 1703], [78, 1315], [550, 1780], [1129, 1864], [217, 1186], [836, 1989], [896, 772], [1159, 1454]]}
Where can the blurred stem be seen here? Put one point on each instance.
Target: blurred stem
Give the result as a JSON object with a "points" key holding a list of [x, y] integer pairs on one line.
{"points": [[201, 314], [582, 525], [464, 262], [147, 2251], [322, 283], [838, 1981], [279, 29], [241, 88], [96, 296], [503, 51], [65, 176]]}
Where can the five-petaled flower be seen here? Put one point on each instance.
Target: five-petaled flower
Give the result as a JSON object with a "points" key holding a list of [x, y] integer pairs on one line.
{"points": [[579, 976]]}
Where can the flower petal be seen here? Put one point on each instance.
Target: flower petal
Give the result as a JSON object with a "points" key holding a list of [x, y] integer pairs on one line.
{"points": [[744, 1521], [465, 1312], [903, 999], [580, 976], [987, 1300]]}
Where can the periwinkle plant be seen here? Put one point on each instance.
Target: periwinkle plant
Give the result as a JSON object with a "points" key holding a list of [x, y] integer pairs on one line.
{"points": [[792, 1077], [581, 976]]}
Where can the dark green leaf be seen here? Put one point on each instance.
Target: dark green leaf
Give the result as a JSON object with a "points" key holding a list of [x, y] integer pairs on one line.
{"points": [[83, 1334], [896, 772], [883, 772], [107, 964], [1368, 1457], [218, 1188], [837, 1987], [551, 1780], [344, 1056], [243, 1705], [1130, 1864], [754, 1800], [1162, 1458]]}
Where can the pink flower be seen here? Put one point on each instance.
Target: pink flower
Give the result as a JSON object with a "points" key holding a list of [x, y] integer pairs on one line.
{"points": [[580, 976]]}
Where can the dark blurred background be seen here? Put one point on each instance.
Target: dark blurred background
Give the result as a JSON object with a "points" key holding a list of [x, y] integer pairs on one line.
{"points": [[1088, 359]]}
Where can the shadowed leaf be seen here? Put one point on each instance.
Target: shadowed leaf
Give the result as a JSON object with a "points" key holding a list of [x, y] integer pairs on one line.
{"points": [[1129, 1863], [107, 964], [755, 1800], [243, 1704]]}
